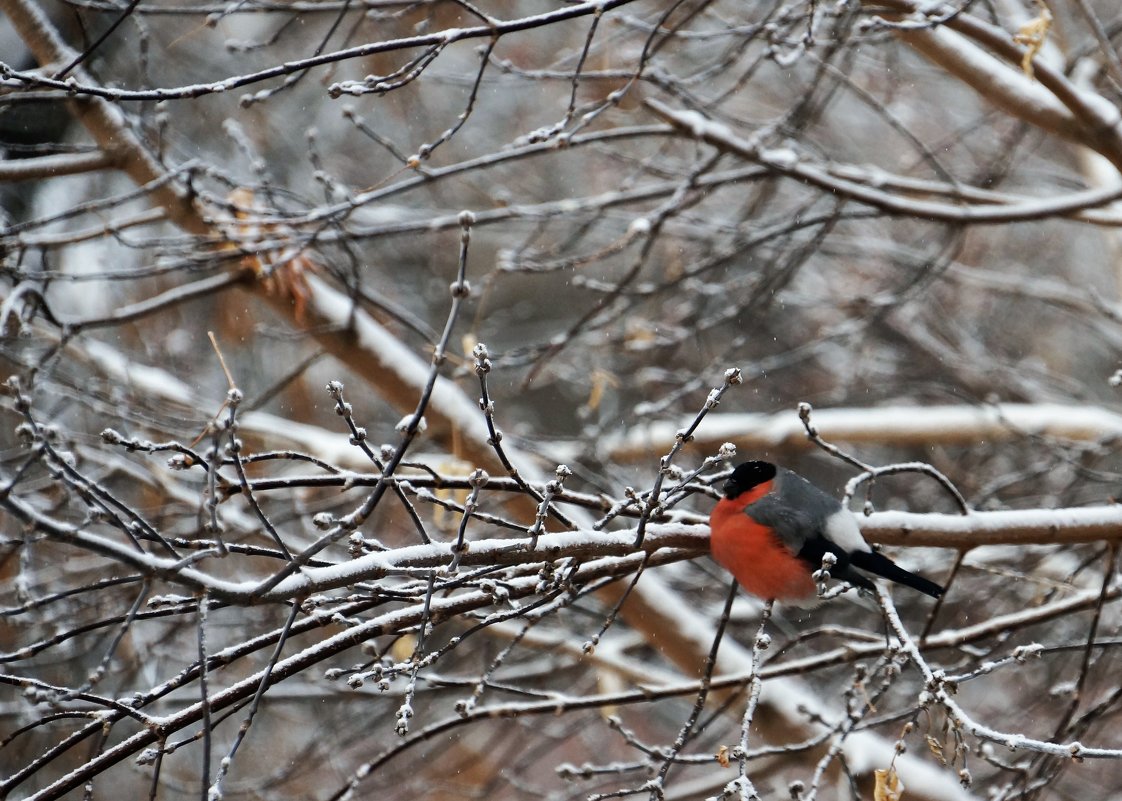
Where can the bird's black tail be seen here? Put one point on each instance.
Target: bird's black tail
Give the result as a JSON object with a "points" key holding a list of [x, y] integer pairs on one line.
{"points": [[880, 565]]}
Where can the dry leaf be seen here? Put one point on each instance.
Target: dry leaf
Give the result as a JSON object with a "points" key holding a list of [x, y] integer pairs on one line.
{"points": [[1033, 35], [403, 648], [601, 381], [936, 749], [888, 785], [283, 273], [723, 756]]}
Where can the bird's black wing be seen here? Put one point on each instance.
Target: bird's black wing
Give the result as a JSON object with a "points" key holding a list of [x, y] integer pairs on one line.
{"points": [[880, 565], [816, 547]]}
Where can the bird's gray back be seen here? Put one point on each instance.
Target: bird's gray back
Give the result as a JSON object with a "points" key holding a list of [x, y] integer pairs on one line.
{"points": [[795, 509]]}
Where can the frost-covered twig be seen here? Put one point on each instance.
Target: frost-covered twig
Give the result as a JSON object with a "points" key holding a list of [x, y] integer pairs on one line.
{"points": [[483, 367], [731, 379], [938, 692], [742, 785], [255, 703], [657, 785]]}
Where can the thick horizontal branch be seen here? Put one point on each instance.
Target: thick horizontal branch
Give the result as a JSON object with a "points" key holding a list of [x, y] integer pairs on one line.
{"points": [[1010, 527], [899, 426], [1013, 527], [681, 541], [672, 542]]}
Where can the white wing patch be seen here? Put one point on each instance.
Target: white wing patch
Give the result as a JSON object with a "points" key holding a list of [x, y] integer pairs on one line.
{"points": [[841, 529]]}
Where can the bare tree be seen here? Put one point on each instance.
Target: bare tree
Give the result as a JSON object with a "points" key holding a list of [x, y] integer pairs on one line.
{"points": [[371, 366]]}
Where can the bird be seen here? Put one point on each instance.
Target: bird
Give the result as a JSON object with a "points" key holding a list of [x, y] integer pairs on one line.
{"points": [[772, 528]]}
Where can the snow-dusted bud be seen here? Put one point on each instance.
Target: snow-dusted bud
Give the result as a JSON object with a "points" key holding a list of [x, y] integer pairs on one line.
{"points": [[403, 424]]}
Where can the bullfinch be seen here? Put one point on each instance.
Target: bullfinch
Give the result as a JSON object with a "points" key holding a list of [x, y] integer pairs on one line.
{"points": [[772, 528]]}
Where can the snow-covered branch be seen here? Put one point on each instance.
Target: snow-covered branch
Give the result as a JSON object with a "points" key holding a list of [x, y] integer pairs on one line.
{"points": [[894, 426]]}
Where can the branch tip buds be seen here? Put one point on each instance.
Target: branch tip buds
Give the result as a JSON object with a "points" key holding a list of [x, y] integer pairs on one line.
{"points": [[804, 410], [25, 434], [403, 714], [482, 359]]}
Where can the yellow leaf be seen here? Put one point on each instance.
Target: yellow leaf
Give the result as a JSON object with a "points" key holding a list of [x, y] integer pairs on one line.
{"points": [[723, 756], [403, 648], [936, 749], [888, 785], [451, 466], [1032, 35], [601, 381]]}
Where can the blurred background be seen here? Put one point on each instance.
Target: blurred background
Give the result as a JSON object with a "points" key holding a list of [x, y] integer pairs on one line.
{"points": [[880, 209]]}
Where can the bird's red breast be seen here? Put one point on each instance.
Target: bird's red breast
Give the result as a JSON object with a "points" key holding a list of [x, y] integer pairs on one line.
{"points": [[753, 553]]}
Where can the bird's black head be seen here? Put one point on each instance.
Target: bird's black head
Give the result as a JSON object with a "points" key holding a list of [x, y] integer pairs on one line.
{"points": [[746, 476]]}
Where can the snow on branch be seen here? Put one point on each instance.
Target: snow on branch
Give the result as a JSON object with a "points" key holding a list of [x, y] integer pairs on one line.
{"points": [[1011, 527], [896, 426], [989, 60]]}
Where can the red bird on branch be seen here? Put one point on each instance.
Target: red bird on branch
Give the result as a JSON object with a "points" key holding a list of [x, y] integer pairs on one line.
{"points": [[772, 528]]}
